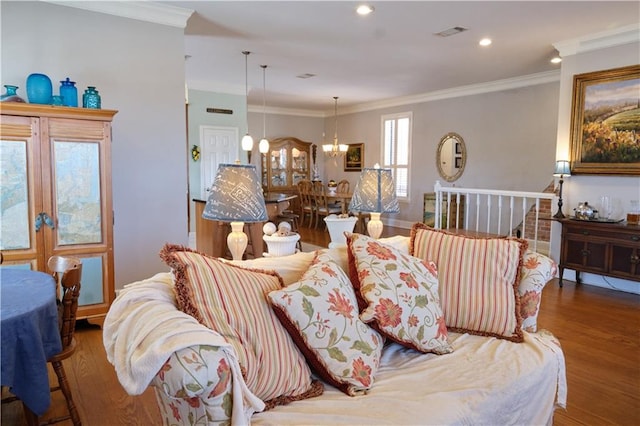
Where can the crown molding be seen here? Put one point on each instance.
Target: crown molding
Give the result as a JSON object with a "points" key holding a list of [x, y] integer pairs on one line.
{"points": [[601, 40], [156, 13], [456, 92], [287, 111]]}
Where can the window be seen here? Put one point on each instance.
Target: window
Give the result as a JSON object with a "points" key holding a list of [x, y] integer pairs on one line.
{"points": [[396, 145]]}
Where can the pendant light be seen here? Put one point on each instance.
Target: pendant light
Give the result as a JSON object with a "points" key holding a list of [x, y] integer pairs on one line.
{"points": [[335, 149], [263, 146], [247, 140]]}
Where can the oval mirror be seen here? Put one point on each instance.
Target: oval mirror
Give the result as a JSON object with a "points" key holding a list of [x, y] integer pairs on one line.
{"points": [[451, 157]]}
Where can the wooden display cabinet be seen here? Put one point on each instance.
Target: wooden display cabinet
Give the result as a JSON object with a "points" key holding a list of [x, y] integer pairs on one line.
{"points": [[56, 194], [287, 163]]}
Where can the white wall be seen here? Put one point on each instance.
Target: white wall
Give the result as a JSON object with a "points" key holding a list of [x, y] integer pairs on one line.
{"points": [[123, 59], [589, 188], [510, 136]]}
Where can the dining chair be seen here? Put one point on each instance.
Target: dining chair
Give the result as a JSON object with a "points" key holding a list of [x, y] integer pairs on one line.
{"points": [[321, 203], [343, 186], [306, 203], [69, 281]]}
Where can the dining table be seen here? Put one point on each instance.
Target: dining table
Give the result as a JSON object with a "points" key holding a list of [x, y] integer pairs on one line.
{"points": [[30, 335], [344, 198]]}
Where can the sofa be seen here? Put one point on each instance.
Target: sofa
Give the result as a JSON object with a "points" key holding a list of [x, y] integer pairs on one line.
{"points": [[452, 355]]}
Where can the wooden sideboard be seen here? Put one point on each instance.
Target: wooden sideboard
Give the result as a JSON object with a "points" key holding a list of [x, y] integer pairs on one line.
{"points": [[611, 249]]}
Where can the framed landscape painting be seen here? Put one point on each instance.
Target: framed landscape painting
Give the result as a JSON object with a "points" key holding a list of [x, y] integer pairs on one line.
{"points": [[354, 158], [605, 122]]}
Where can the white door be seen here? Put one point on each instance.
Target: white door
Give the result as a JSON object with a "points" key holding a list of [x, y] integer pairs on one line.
{"points": [[217, 145]]}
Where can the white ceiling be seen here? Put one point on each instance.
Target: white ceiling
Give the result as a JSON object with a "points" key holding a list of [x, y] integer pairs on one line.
{"points": [[389, 54]]}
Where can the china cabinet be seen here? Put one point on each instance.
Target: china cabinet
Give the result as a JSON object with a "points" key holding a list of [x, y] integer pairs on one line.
{"points": [[611, 249], [56, 194], [287, 163]]}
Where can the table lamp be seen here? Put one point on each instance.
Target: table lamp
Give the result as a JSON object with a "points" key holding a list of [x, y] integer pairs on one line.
{"points": [[562, 169], [375, 193], [236, 197]]}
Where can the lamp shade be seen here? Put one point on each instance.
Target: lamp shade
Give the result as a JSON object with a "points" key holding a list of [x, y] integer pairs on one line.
{"points": [[375, 192], [236, 195], [562, 168]]}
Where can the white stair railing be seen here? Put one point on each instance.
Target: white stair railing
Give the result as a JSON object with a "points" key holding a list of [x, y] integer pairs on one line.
{"points": [[468, 208]]}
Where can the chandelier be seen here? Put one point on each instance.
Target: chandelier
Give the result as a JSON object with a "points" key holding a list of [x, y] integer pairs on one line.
{"points": [[335, 149]]}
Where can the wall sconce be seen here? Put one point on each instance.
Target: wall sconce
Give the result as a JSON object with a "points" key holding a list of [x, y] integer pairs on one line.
{"points": [[236, 197], [375, 193], [562, 169]]}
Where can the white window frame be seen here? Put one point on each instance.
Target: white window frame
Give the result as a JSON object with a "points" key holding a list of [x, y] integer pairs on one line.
{"points": [[393, 165]]}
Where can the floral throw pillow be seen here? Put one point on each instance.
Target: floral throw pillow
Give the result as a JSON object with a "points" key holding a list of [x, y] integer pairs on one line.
{"points": [[537, 270], [398, 294], [320, 312]]}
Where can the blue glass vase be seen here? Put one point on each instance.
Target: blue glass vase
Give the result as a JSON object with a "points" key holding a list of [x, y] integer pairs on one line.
{"points": [[39, 89], [91, 98], [11, 95], [69, 93]]}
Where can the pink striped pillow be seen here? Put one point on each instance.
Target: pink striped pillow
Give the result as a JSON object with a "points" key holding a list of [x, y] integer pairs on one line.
{"points": [[478, 280], [233, 301]]}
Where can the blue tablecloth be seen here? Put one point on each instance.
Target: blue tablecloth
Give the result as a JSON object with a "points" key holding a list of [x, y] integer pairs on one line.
{"points": [[30, 335]]}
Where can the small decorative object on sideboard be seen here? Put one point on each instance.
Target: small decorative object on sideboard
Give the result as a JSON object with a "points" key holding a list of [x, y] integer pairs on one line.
{"points": [[91, 98], [585, 212], [39, 89], [11, 94], [69, 93], [633, 216], [57, 100]]}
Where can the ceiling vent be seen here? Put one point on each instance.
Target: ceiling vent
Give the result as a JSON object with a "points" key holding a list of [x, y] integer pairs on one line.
{"points": [[451, 31]]}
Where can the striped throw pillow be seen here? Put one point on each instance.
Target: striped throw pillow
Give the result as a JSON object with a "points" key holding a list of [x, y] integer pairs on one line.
{"points": [[478, 280], [233, 301]]}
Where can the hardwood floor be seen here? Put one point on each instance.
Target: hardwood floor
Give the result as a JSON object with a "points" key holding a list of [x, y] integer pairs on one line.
{"points": [[599, 330]]}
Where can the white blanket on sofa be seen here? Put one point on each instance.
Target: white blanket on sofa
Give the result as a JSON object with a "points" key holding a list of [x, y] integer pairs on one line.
{"points": [[143, 328], [485, 381]]}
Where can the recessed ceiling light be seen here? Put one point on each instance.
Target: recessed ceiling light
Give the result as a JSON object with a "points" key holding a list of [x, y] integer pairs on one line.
{"points": [[365, 9], [306, 75], [485, 42], [556, 60]]}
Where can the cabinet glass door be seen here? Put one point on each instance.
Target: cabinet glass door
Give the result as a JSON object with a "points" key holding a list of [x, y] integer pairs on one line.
{"points": [[77, 192], [20, 206], [300, 161], [279, 161], [14, 196]]}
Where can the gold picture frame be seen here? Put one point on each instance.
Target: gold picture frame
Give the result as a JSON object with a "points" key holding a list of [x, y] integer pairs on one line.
{"points": [[354, 158], [605, 122]]}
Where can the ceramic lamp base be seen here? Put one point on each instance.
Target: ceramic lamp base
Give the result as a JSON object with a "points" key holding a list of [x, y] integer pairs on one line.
{"points": [[237, 240], [374, 227]]}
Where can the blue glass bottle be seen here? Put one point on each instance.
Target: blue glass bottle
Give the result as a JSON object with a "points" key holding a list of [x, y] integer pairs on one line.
{"points": [[69, 93], [91, 98], [39, 89], [11, 95]]}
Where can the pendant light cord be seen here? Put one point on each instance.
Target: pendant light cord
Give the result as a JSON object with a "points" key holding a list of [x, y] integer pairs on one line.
{"points": [[246, 86], [335, 137], [264, 102]]}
